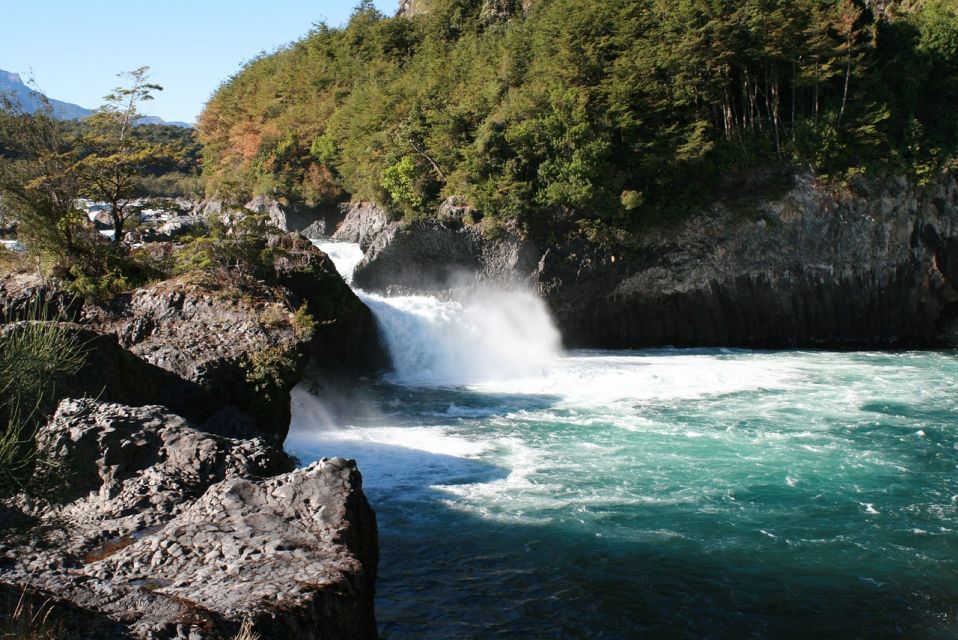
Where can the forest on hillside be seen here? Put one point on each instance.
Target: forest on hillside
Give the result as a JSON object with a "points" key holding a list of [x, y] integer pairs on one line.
{"points": [[622, 111]]}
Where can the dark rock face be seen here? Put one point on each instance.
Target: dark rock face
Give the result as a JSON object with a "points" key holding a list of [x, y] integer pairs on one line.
{"points": [[212, 340], [243, 348], [197, 349], [165, 531], [26, 296], [312, 223], [113, 374], [874, 268], [811, 269], [429, 256], [346, 337], [424, 256]]}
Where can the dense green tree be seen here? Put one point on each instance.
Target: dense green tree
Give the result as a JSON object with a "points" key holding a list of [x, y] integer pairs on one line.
{"points": [[617, 110], [113, 158], [40, 187]]}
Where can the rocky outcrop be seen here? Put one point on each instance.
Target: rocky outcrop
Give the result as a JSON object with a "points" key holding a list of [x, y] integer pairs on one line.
{"points": [[245, 346], [429, 256], [876, 266], [813, 268], [492, 10], [171, 230], [27, 296], [412, 8], [363, 222], [232, 343], [110, 373], [345, 337], [163, 531], [312, 223], [239, 351]]}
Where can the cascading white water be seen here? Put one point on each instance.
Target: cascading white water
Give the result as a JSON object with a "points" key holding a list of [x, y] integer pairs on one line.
{"points": [[624, 494], [485, 335], [490, 335], [345, 256]]}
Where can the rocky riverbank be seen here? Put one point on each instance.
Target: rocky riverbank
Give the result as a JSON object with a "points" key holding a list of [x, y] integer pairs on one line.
{"points": [[165, 506], [152, 528], [874, 265]]}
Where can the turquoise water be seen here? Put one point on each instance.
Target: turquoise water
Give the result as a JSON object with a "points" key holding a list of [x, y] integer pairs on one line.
{"points": [[653, 493]]}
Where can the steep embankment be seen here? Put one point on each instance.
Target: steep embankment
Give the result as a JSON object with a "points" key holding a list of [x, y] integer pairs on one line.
{"points": [[165, 531], [620, 111], [148, 521], [875, 266]]}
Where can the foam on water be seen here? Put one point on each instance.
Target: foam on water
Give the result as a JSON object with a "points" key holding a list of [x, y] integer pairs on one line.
{"points": [[346, 256], [523, 492], [765, 468], [489, 335]]}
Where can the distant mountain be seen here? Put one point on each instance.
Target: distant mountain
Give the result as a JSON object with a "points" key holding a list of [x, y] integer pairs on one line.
{"points": [[31, 100], [159, 120]]}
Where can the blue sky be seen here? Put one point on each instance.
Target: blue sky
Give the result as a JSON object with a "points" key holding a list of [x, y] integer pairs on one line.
{"points": [[75, 48]]}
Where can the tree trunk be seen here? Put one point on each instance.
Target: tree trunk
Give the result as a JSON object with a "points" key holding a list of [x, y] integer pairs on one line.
{"points": [[794, 95], [848, 77], [116, 212], [776, 112]]}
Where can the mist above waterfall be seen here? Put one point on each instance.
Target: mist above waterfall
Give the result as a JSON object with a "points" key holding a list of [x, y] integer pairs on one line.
{"points": [[479, 334], [484, 335]]}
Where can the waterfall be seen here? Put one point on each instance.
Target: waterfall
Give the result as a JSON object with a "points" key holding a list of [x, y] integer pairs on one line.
{"points": [[481, 335], [346, 256]]}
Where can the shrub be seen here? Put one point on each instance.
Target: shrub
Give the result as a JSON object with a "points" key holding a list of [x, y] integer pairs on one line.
{"points": [[229, 247], [268, 370], [632, 200], [304, 324], [34, 354]]}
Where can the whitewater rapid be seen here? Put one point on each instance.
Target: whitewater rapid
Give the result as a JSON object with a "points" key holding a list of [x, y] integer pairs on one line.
{"points": [[483, 334], [526, 492]]}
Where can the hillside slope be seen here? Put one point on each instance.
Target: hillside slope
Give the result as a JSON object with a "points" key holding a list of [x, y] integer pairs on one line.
{"points": [[618, 113]]}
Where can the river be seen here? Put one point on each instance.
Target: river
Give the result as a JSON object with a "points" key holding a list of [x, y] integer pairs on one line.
{"points": [[527, 492]]}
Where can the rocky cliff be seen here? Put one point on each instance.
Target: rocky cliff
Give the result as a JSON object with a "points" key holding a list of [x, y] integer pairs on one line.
{"points": [[242, 346], [154, 529], [491, 9], [874, 265], [148, 521]]}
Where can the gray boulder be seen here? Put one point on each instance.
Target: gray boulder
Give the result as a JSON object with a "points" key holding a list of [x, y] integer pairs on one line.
{"points": [[28, 296], [290, 218], [429, 256], [173, 229], [163, 531], [364, 221]]}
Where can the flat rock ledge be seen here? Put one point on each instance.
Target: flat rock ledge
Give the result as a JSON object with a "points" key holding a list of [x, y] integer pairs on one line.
{"points": [[158, 530]]}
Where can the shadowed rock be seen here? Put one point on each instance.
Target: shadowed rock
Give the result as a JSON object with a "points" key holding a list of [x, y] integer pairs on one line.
{"points": [[240, 344], [873, 267], [169, 532]]}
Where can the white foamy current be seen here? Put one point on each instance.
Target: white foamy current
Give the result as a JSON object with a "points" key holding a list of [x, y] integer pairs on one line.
{"points": [[526, 492]]}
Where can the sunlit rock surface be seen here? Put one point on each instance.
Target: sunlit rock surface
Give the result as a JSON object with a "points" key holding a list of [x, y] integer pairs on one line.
{"points": [[154, 529]]}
